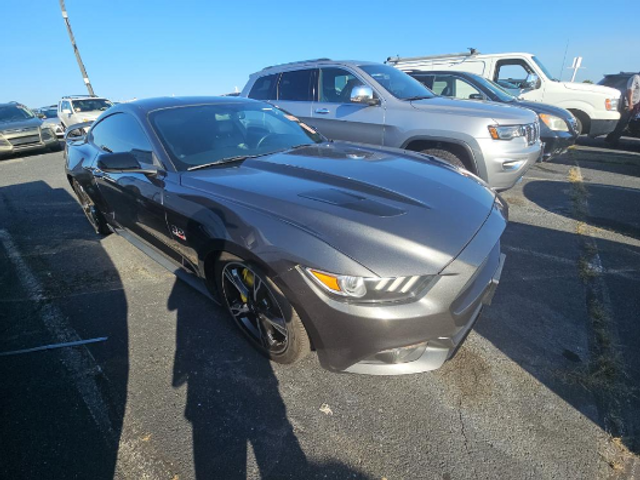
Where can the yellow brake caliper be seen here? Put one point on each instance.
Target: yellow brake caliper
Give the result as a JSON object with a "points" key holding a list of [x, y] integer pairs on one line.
{"points": [[248, 280]]}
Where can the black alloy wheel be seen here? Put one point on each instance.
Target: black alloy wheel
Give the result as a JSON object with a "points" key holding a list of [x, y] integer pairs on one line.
{"points": [[262, 312], [90, 210]]}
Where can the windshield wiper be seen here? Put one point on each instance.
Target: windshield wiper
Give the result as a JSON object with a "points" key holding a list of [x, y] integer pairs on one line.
{"points": [[240, 158], [418, 97]]}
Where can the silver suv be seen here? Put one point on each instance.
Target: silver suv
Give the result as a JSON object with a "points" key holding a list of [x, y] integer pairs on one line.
{"points": [[374, 103], [81, 109]]}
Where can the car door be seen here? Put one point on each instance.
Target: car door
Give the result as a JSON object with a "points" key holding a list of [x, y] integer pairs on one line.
{"points": [[335, 116], [296, 91], [134, 201]]}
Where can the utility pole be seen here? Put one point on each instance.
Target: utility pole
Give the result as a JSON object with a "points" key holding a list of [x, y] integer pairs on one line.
{"points": [[85, 76]]}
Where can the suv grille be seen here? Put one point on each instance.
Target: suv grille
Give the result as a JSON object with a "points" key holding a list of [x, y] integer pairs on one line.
{"points": [[532, 132]]}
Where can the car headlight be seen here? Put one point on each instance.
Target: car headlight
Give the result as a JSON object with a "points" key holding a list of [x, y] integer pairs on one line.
{"points": [[554, 123], [611, 104], [371, 289], [506, 132]]}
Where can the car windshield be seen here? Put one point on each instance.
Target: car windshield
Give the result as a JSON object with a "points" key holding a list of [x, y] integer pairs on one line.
{"points": [[204, 134], [91, 105], [397, 83], [14, 113], [544, 69], [497, 90]]}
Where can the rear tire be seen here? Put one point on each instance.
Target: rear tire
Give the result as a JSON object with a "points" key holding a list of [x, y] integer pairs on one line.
{"points": [[446, 156], [56, 147], [264, 315]]}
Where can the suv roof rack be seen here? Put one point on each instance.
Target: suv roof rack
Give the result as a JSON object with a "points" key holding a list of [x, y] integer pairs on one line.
{"points": [[78, 96], [397, 58], [311, 60]]}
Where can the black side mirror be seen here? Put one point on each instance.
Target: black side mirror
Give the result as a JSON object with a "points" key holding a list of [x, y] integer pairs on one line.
{"points": [[476, 96], [123, 162]]}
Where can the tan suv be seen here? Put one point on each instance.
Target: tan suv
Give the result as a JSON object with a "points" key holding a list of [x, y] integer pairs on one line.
{"points": [[21, 130]]}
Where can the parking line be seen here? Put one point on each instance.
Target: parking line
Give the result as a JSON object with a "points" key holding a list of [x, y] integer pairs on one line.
{"points": [[78, 361], [52, 346]]}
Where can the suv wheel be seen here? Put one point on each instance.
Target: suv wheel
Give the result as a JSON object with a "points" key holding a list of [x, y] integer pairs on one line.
{"points": [[447, 156]]}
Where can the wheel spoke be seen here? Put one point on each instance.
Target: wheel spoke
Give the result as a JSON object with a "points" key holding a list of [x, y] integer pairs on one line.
{"points": [[238, 309], [277, 324], [257, 283], [237, 282]]}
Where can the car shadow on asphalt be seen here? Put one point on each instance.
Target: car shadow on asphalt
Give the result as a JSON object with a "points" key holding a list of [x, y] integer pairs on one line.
{"points": [[567, 307], [233, 401], [61, 408]]}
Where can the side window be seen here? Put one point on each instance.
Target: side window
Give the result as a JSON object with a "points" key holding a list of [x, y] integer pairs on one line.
{"points": [[511, 73], [466, 91], [443, 85], [426, 80], [296, 86], [336, 85], [264, 88], [65, 106], [121, 133]]}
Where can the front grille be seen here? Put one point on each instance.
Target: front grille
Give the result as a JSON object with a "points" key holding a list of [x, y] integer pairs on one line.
{"points": [[532, 132], [26, 140]]}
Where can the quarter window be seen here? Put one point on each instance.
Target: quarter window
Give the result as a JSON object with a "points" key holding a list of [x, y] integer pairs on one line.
{"points": [[121, 133], [264, 88], [336, 85], [296, 86]]}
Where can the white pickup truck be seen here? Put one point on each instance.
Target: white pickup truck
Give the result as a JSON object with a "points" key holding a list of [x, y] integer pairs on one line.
{"points": [[594, 106]]}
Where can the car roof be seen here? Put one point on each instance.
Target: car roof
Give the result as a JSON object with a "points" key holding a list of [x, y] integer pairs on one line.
{"points": [[146, 105], [314, 63]]}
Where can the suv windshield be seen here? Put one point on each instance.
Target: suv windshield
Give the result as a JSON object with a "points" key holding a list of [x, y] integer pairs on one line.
{"points": [[14, 113], [91, 105], [544, 69], [204, 134], [397, 83]]}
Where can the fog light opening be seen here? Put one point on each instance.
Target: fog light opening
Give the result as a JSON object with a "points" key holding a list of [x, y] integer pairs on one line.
{"points": [[407, 354], [512, 164]]}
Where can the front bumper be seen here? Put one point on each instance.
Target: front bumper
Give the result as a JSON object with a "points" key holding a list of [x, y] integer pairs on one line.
{"points": [[505, 162], [602, 127], [556, 144], [11, 143], [347, 336]]}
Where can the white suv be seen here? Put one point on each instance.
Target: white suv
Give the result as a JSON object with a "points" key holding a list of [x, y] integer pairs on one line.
{"points": [[523, 74], [81, 109]]}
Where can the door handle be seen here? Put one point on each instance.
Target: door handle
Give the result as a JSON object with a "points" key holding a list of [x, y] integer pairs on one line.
{"points": [[323, 111]]}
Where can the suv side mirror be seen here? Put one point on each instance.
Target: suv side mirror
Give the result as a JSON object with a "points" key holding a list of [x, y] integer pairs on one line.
{"points": [[123, 162], [363, 94], [66, 111], [532, 82], [476, 96]]}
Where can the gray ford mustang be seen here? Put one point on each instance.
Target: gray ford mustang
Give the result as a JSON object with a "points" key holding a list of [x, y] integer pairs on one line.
{"points": [[380, 260]]}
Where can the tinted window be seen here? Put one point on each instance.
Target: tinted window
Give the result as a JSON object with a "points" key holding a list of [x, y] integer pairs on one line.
{"points": [[426, 80], [297, 86], [201, 134], [264, 88], [336, 85], [91, 105], [122, 133], [13, 113], [397, 83]]}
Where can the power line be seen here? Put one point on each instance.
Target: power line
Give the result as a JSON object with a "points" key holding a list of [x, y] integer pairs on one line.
{"points": [[83, 70]]}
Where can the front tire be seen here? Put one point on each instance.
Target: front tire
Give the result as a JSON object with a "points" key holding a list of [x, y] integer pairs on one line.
{"points": [[94, 216], [261, 311], [447, 156]]}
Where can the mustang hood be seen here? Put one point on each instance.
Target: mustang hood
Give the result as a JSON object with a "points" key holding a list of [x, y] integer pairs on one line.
{"points": [[368, 203]]}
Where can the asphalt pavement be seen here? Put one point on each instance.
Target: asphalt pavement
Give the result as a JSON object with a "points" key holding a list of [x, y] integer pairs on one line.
{"points": [[155, 381]]}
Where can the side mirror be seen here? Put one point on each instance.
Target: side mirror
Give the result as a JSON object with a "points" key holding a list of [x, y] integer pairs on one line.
{"points": [[66, 111], [476, 96], [41, 115], [532, 82], [123, 162], [75, 134], [363, 94]]}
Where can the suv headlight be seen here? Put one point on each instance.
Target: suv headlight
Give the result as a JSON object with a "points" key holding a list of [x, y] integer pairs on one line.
{"points": [[611, 104], [554, 123], [370, 289], [506, 132]]}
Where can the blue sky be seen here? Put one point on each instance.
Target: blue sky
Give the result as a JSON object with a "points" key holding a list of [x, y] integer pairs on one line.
{"points": [[136, 48]]}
